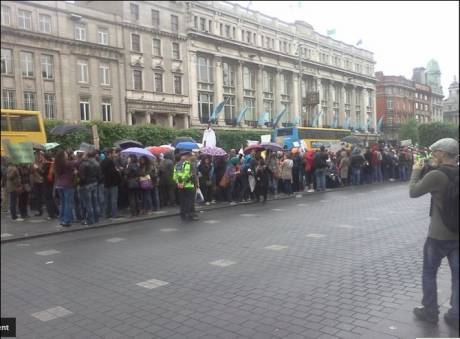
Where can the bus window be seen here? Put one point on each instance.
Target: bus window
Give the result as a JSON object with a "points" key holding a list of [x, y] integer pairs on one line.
{"points": [[24, 123], [282, 132], [4, 123]]}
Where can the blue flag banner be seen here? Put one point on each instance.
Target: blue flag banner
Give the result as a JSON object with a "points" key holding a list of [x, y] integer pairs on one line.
{"points": [[216, 111], [264, 117], [241, 115], [346, 123], [296, 121], [278, 117], [379, 124], [335, 121]]}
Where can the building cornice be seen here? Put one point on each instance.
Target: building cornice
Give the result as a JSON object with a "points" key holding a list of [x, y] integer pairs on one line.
{"points": [[154, 31], [55, 39]]}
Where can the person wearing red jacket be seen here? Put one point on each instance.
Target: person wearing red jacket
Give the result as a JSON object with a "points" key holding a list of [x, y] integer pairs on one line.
{"points": [[376, 165], [309, 168]]}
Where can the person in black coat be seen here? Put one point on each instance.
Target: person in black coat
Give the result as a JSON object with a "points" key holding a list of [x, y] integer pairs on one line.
{"points": [[262, 175]]}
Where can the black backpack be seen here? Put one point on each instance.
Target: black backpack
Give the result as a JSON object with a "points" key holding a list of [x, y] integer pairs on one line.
{"points": [[320, 161], [449, 213]]}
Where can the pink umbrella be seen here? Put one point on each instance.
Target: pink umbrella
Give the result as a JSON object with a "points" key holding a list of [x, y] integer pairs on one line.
{"points": [[213, 151], [255, 147]]}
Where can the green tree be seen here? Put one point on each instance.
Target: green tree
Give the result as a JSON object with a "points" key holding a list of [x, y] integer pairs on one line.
{"points": [[430, 133], [409, 130]]}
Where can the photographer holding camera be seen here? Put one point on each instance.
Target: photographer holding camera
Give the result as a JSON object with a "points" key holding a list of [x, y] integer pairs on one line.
{"points": [[443, 238]]}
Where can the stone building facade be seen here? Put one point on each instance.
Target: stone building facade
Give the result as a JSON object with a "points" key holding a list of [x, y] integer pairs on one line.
{"points": [[171, 62], [62, 60], [451, 104]]}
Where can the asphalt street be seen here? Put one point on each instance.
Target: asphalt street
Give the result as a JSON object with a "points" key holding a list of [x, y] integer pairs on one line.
{"points": [[343, 264]]}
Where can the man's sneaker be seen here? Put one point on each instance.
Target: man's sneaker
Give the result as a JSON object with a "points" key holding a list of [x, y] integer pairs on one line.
{"points": [[311, 190], [207, 203], [451, 320], [422, 314], [18, 219], [213, 202], [233, 203]]}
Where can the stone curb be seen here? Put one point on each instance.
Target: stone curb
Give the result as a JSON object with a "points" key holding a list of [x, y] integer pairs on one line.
{"points": [[174, 214]]}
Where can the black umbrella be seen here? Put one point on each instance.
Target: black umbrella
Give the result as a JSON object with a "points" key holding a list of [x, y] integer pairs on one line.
{"points": [[182, 139], [35, 146], [84, 146], [62, 130], [124, 144], [352, 140]]}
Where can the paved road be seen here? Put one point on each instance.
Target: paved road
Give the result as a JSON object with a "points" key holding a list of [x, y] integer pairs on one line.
{"points": [[343, 264]]}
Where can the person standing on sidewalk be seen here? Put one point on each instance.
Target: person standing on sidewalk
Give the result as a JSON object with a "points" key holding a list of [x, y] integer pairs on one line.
{"points": [[13, 188], [37, 181], [443, 236], [112, 178], [65, 187], [185, 181], [320, 163], [89, 173]]}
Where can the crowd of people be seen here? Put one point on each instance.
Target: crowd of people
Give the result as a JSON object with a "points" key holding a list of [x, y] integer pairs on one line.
{"points": [[88, 186]]}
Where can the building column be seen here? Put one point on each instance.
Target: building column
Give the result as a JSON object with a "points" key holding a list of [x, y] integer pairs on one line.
{"points": [[239, 87], [364, 100], [130, 117], [330, 105], [342, 98], [259, 91], [148, 117], [353, 122], [170, 120], [193, 88], [218, 86], [374, 110], [319, 86], [296, 107], [277, 91]]}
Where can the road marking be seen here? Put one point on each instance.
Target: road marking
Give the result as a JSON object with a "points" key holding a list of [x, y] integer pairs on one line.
{"points": [[51, 313], [393, 328], [211, 221], [49, 262], [152, 283], [372, 219], [114, 240], [324, 200], [278, 209], [22, 245], [302, 205], [315, 235], [5, 235], [160, 212], [222, 263], [169, 230], [298, 196], [47, 252], [248, 215], [276, 247], [345, 226], [36, 221]]}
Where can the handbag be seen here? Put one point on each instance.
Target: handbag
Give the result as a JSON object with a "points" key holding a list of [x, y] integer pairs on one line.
{"points": [[145, 182], [199, 196]]}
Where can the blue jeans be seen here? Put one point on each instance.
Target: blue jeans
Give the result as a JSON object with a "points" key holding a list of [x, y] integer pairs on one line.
{"points": [[287, 186], [13, 201], [100, 200], [155, 198], [111, 201], [377, 175], [88, 196], [320, 175], [66, 204], [433, 253], [403, 173], [356, 176], [146, 200]]}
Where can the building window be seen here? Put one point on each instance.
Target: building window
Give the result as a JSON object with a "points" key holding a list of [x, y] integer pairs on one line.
{"points": [[104, 74], [50, 106], [389, 104], [228, 72], [195, 22], [106, 110], [134, 9], [177, 84], [229, 108], [80, 33], [8, 99], [284, 84], [234, 33], [268, 82], [27, 64], [135, 42], [103, 36], [416, 105], [156, 43], [210, 26], [82, 67], [348, 97], [158, 82], [175, 23], [205, 106], [6, 16], [137, 80], [155, 18], [250, 103], [248, 37], [47, 66], [24, 19], [29, 101], [227, 31], [175, 51], [203, 24], [204, 70], [7, 61], [84, 109], [248, 78], [45, 23]]}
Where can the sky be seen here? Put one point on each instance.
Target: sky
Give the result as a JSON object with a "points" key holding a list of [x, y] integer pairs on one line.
{"points": [[401, 34]]}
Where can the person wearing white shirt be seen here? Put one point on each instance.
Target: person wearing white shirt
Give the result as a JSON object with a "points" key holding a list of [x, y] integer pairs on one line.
{"points": [[209, 137]]}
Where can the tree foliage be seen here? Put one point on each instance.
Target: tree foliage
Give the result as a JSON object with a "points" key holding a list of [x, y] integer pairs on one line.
{"points": [[409, 130], [149, 135], [430, 133]]}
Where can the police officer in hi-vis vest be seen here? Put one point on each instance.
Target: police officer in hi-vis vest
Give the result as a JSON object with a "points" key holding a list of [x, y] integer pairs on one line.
{"points": [[185, 181]]}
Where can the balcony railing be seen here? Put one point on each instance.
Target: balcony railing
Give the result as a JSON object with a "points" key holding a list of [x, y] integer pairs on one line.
{"points": [[251, 123]]}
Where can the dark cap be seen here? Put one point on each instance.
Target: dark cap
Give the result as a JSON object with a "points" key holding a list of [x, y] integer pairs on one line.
{"points": [[185, 153]]}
